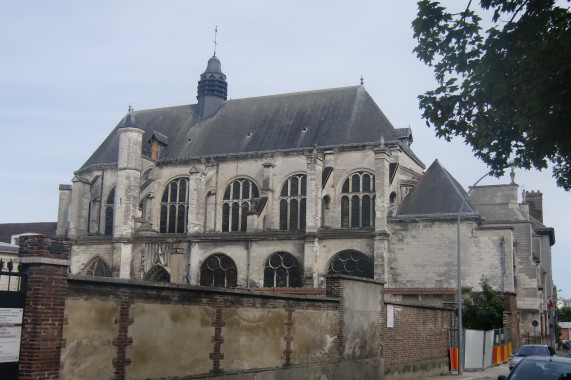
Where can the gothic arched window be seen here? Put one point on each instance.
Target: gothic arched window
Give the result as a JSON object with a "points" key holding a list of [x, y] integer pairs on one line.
{"points": [[109, 210], [353, 263], [219, 270], [282, 271], [358, 201], [240, 196], [97, 266], [158, 273], [293, 203], [174, 207]]}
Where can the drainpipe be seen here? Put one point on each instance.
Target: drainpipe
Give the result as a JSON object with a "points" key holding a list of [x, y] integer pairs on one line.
{"points": [[100, 204], [248, 270], [216, 191], [503, 261], [189, 257]]}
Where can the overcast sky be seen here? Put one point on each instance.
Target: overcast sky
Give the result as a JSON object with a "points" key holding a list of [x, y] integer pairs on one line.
{"points": [[70, 69]]}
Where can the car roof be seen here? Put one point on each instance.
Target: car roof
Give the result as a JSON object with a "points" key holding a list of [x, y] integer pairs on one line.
{"points": [[556, 359], [535, 345]]}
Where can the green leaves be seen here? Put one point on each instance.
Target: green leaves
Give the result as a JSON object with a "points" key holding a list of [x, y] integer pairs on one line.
{"points": [[564, 314], [505, 90], [483, 310]]}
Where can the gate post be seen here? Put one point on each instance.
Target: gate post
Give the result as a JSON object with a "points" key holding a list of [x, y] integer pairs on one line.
{"points": [[45, 259]]}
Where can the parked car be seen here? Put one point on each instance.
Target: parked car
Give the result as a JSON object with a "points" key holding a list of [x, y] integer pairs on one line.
{"points": [[528, 350], [541, 368]]}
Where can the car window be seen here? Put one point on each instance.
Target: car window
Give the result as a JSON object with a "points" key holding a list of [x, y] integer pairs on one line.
{"points": [[532, 350]]}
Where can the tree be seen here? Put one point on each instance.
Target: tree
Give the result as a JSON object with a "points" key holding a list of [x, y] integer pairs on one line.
{"points": [[564, 314], [505, 90], [483, 310]]}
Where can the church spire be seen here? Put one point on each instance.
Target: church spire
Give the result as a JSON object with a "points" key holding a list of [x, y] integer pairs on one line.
{"points": [[212, 86], [215, 35]]}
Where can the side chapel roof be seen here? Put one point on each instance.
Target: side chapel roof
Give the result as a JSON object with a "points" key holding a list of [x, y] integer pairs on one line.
{"points": [[324, 118], [42, 228], [436, 195]]}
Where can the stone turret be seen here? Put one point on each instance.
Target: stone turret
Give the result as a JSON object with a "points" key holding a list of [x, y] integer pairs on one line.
{"points": [[127, 192]]}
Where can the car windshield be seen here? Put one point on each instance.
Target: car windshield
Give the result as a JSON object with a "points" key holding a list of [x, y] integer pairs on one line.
{"points": [[541, 370], [532, 350]]}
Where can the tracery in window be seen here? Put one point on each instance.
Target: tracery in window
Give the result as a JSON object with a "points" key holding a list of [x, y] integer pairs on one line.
{"points": [[109, 211], [353, 263], [174, 207], [282, 271], [219, 270], [240, 196], [158, 273], [93, 216], [293, 203], [97, 266], [358, 206]]}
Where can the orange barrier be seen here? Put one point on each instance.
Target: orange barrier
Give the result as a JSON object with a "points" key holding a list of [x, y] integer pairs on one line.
{"points": [[453, 359], [501, 354], [497, 355]]}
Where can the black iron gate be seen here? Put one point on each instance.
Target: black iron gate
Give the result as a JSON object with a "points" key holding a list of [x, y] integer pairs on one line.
{"points": [[12, 300]]}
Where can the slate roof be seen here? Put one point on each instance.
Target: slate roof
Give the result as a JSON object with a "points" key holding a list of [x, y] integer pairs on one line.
{"points": [[325, 118], [436, 195], [6, 247], [542, 229], [42, 228]]}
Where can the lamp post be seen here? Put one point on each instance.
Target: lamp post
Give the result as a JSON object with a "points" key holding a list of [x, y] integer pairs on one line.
{"points": [[459, 290]]}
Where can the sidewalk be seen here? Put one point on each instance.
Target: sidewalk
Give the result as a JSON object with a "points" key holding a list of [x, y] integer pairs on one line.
{"points": [[487, 374]]}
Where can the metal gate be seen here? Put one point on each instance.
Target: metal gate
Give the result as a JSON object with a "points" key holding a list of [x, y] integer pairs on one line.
{"points": [[12, 300]]}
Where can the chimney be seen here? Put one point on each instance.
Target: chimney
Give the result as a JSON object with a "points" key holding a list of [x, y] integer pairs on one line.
{"points": [[535, 201]]}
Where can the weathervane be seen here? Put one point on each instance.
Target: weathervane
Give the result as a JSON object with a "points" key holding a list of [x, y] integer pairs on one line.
{"points": [[362, 80], [215, 43]]}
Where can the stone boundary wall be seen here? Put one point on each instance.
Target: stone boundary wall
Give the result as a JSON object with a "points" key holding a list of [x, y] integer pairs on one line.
{"points": [[78, 327], [136, 330]]}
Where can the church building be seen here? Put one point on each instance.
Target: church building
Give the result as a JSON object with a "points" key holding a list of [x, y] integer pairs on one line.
{"points": [[279, 191]]}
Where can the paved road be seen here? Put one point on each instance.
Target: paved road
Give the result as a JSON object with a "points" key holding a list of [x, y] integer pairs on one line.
{"points": [[491, 373]]}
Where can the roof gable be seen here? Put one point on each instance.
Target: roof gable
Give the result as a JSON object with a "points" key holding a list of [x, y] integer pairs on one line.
{"points": [[437, 194]]}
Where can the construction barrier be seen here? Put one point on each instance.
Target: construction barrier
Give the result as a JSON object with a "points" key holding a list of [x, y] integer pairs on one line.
{"points": [[454, 359], [502, 346]]}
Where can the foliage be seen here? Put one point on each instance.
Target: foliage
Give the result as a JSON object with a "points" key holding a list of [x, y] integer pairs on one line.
{"points": [[505, 90], [483, 310], [564, 314]]}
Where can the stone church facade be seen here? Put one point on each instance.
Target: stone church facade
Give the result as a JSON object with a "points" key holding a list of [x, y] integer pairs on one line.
{"points": [[279, 191]]}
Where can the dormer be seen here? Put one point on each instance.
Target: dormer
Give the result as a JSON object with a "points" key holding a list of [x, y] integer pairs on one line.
{"points": [[158, 142]]}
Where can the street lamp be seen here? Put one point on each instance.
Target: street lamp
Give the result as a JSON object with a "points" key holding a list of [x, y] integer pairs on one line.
{"points": [[459, 280]]}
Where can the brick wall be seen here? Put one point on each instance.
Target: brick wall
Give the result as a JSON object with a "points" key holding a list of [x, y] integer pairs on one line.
{"points": [[510, 318], [45, 260], [417, 342]]}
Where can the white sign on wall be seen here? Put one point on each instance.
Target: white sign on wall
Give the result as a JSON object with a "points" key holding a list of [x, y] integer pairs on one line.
{"points": [[10, 334]]}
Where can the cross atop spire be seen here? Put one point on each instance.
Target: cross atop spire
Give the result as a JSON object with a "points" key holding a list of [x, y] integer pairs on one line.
{"points": [[215, 43]]}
